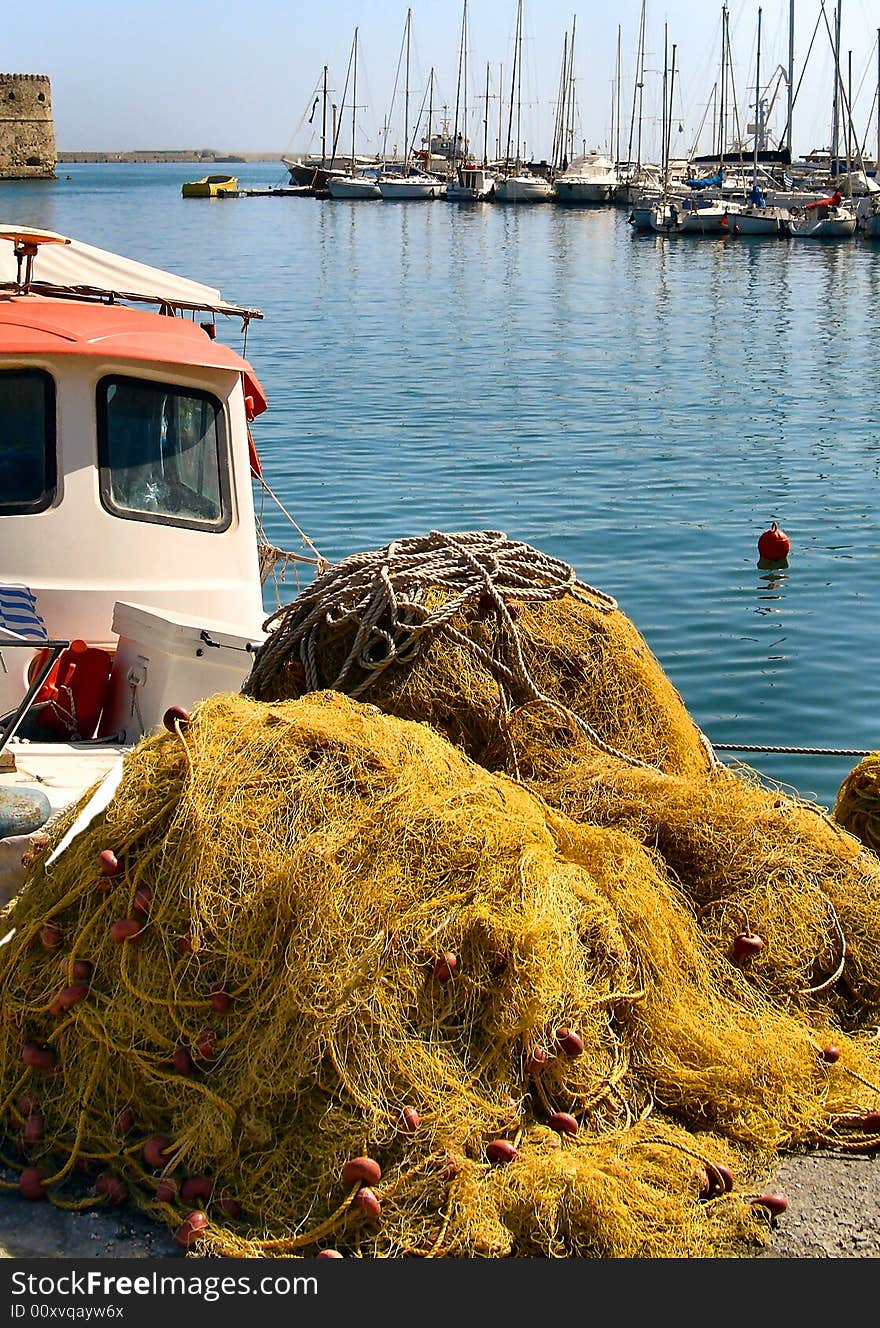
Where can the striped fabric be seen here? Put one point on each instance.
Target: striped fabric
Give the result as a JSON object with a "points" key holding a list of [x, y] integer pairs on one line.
{"points": [[18, 612]]}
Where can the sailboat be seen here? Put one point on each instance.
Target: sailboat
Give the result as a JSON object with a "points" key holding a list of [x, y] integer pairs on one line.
{"points": [[755, 217], [834, 216], [312, 170], [518, 184], [471, 183], [664, 216], [712, 215], [408, 183], [357, 184]]}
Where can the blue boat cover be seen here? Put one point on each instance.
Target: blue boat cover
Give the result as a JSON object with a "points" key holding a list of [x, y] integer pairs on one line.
{"points": [[706, 181], [756, 198]]}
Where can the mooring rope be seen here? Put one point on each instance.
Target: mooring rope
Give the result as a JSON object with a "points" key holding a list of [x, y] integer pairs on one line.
{"points": [[381, 596], [791, 751]]}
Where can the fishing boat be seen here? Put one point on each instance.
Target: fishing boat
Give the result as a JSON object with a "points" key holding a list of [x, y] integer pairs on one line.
{"points": [[132, 561], [210, 186]]}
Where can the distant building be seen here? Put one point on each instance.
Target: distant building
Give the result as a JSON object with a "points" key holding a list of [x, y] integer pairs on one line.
{"points": [[27, 132]]}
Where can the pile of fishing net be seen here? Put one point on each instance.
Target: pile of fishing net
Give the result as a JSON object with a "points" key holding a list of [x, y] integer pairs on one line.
{"points": [[317, 980]]}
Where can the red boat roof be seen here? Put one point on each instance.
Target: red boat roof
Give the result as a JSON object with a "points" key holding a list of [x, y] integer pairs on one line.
{"points": [[34, 325]]}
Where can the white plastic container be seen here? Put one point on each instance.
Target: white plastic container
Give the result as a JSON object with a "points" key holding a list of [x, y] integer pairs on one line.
{"points": [[165, 659]]}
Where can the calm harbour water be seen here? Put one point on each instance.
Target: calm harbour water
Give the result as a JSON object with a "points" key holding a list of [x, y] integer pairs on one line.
{"points": [[638, 406]]}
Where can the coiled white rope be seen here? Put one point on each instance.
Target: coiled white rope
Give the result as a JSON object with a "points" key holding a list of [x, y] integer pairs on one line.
{"points": [[380, 597]]}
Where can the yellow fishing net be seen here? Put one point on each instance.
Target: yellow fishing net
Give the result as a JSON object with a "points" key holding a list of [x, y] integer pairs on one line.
{"points": [[857, 806], [323, 933]]}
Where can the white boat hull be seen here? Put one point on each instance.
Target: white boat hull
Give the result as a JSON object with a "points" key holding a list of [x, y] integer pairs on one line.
{"points": [[707, 221], [406, 187], [524, 189], [350, 186], [837, 226], [583, 191], [760, 221]]}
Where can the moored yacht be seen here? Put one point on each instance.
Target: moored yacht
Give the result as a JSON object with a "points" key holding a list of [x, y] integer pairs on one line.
{"points": [[523, 187], [590, 179]]}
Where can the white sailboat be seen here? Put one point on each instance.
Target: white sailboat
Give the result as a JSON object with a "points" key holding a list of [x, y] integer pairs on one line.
{"points": [[518, 184], [470, 183], [357, 184], [756, 217], [832, 217], [408, 184], [664, 213], [828, 219]]}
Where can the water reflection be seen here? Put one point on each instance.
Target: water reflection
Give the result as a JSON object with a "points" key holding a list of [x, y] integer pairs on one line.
{"points": [[771, 588]]}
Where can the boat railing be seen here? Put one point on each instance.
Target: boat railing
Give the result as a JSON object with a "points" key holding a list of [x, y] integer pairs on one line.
{"points": [[12, 640]]}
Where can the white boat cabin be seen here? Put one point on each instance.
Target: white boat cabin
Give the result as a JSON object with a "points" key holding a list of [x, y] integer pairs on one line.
{"points": [[128, 548]]}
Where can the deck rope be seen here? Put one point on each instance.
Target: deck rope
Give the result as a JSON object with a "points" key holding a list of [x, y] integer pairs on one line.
{"points": [[382, 596]]}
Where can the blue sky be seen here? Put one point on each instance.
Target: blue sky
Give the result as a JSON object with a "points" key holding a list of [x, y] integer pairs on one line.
{"points": [[242, 77]]}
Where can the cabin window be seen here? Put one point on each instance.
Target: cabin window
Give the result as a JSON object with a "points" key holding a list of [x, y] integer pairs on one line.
{"points": [[162, 454], [28, 470]]}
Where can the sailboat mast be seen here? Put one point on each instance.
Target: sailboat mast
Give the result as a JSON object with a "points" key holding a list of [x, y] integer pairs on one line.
{"points": [[406, 99], [354, 84], [512, 87], [835, 126], [519, 88], [849, 116], [877, 159], [663, 120], [324, 123], [569, 139], [560, 124], [486, 121], [669, 116], [641, 87], [757, 104], [722, 120], [461, 59], [430, 119], [617, 142], [790, 74]]}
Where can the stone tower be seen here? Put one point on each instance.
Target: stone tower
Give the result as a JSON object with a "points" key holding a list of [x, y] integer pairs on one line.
{"points": [[27, 133]]}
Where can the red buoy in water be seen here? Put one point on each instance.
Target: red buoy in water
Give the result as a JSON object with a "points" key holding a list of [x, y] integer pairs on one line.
{"points": [[774, 544]]}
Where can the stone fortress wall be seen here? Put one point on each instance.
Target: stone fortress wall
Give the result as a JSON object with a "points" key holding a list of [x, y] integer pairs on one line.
{"points": [[27, 132]]}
